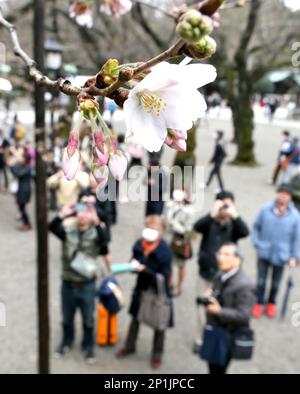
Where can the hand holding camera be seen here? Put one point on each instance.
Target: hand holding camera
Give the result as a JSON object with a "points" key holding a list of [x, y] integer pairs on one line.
{"points": [[221, 208], [218, 205], [205, 301], [66, 211], [232, 212]]}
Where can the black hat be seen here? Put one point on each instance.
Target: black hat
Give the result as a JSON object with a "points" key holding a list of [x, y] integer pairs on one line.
{"points": [[285, 187], [223, 195], [85, 193]]}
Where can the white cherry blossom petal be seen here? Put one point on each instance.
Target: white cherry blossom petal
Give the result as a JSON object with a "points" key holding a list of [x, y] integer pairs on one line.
{"points": [[149, 131], [166, 98]]}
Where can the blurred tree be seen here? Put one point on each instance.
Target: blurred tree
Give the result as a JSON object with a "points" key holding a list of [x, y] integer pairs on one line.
{"points": [[103, 40], [253, 40], [247, 52]]}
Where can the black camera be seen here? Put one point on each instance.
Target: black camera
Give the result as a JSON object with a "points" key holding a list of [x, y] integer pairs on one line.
{"points": [[225, 207], [205, 301]]}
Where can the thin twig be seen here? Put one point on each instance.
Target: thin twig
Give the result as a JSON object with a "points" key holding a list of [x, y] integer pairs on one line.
{"points": [[156, 8], [173, 51], [39, 78], [168, 54], [66, 87], [236, 4]]}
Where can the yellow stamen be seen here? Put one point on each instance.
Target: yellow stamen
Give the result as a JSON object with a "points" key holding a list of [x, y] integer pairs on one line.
{"points": [[152, 103]]}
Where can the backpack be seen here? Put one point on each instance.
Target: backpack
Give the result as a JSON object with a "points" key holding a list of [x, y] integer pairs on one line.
{"points": [[110, 295]]}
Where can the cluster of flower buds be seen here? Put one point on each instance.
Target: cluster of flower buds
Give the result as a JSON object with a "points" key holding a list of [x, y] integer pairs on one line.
{"points": [[177, 139], [202, 49], [194, 28], [107, 158]]}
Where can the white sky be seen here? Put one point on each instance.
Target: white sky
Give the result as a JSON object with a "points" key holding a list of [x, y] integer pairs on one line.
{"points": [[293, 4]]}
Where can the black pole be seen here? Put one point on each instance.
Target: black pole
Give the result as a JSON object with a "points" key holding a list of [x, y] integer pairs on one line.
{"points": [[41, 196]]}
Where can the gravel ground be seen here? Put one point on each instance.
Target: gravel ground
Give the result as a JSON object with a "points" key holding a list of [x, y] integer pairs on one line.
{"points": [[278, 343]]}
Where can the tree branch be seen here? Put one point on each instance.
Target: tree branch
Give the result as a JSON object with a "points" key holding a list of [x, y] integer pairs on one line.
{"points": [[208, 7], [139, 16], [173, 51], [88, 36], [156, 8], [27, 7], [64, 85], [249, 30]]}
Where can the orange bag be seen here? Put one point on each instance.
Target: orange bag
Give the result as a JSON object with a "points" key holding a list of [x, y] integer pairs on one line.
{"points": [[107, 327], [284, 165]]}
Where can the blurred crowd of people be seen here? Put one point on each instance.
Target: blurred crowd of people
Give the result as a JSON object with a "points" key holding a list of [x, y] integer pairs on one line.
{"points": [[226, 298], [266, 107], [287, 168]]}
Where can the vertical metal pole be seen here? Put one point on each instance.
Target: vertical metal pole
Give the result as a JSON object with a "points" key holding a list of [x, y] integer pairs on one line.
{"points": [[41, 196]]}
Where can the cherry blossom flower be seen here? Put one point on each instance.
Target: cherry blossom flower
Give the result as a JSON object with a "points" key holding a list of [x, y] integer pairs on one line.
{"points": [[82, 12], [116, 8], [101, 148], [167, 98], [118, 165], [70, 165], [101, 174], [71, 154]]}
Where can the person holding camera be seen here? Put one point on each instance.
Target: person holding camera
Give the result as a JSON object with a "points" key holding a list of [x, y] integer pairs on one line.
{"points": [[84, 240], [228, 304], [102, 207], [222, 225]]}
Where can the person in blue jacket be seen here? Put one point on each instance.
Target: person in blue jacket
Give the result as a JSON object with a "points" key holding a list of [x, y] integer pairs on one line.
{"points": [[276, 237], [155, 257]]}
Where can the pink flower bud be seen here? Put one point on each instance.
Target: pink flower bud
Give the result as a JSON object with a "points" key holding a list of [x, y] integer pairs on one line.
{"points": [[118, 165], [102, 156], [179, 145], [73, 142], [114, 143], [168, 140], [180, 134], [101, 175], [70, 164], [99, 140]]}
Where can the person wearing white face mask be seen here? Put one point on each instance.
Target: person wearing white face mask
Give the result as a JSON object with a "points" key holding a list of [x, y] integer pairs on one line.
{"points": [[153, 256]]}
